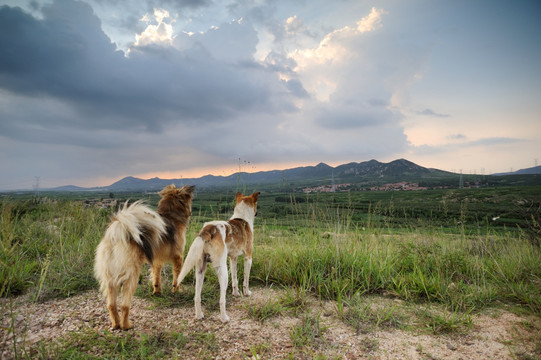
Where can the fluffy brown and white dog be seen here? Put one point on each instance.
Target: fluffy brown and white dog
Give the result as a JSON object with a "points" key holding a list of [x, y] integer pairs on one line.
{"points": [[219, 240], [138, 235]]}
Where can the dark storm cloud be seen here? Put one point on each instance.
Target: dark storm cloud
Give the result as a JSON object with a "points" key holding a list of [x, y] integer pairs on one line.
{"points": [[67, 57]]}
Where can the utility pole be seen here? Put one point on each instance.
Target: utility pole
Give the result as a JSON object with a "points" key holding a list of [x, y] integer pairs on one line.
{"points": [[36, 186]]}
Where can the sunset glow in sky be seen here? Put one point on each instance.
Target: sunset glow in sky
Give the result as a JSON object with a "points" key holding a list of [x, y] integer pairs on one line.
{"points": [[92, 91]]}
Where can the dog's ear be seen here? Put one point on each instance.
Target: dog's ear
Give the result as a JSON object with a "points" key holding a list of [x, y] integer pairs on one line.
{"points": [[255, 195], [167, 189], [188, 189], [238, 197]]}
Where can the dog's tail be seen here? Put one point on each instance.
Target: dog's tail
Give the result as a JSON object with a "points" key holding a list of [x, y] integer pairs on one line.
{"points": [[199, 246], [194, 254], [139, 224]]}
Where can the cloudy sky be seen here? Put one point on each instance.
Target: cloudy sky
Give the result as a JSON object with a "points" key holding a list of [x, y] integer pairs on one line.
{"points": [[95, 90]]}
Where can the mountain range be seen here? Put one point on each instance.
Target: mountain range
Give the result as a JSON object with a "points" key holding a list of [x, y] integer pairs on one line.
{"points": [[362, 174], [368, 172], [536, 170]]}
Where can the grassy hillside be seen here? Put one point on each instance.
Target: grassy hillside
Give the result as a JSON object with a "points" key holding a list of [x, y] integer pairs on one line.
{"points": [[47, 246], [440, 248]]}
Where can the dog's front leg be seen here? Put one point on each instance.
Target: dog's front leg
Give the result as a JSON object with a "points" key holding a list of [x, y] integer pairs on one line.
{"points": [[246, 283], [177, 266], [201, 267], [157, 278], [234, 280]]}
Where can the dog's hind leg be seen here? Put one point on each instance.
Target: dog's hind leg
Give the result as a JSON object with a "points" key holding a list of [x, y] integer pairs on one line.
{"points": [[112, 293], [246, 283], [221, 271], [177, 266], [200, 269], [234, 279], [128, 289], [157, 277]]}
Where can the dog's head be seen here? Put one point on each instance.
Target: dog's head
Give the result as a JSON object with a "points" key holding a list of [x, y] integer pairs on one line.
{"points": [[250, 201], [177, 198]]}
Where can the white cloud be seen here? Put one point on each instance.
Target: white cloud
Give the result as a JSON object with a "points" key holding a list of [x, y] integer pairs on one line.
{"points": [[338, 54], [294, 25], [158, 31], [372, 21]]}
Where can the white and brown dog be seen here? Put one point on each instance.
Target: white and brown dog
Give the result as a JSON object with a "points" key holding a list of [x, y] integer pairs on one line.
{"points": [[241, 239], [217, 241], [208, 246]]}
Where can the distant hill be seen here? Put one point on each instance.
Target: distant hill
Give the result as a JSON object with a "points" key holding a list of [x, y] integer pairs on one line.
{"points": [[353, 175], [536, 170], [362, 174], [69, 188]]}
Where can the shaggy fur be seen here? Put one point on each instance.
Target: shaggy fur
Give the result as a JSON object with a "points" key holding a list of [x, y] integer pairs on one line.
{"points": [[138, 235], [175, 208], [209, 246]]}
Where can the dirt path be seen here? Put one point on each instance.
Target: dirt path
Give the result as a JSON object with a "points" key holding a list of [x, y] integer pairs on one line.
{"points": [[496, 335]]}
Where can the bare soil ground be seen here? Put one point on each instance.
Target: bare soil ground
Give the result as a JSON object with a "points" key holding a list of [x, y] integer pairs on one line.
{"points": [[495, 334]]}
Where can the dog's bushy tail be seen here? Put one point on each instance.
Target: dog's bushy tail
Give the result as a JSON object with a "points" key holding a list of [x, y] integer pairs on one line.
{"points": [[139, 224], [194, 254], [136, 226]]}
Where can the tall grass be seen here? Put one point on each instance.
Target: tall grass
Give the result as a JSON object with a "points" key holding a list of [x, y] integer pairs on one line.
{"points": [[335, 258], [47, 250]]}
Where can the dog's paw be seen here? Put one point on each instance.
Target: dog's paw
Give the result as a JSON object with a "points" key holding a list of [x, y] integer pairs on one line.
{"points": [[236, 292], [247, 293], [174, 289], [225, 319], [199, 316], [127, 326]]}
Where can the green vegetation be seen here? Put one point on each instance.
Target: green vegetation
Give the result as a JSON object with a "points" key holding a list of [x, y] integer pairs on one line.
{"points": [[458, 250], [98, 345], [463, 248]]}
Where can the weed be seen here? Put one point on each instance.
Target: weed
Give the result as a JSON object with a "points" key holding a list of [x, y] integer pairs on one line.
{"points": [[367, 316], [307, 331], [295, 299], [264, 311], [445, 322], [259, 349]]}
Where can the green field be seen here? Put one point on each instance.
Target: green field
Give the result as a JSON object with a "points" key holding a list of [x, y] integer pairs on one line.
{"points": [[473, 232], [465, 249]]}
